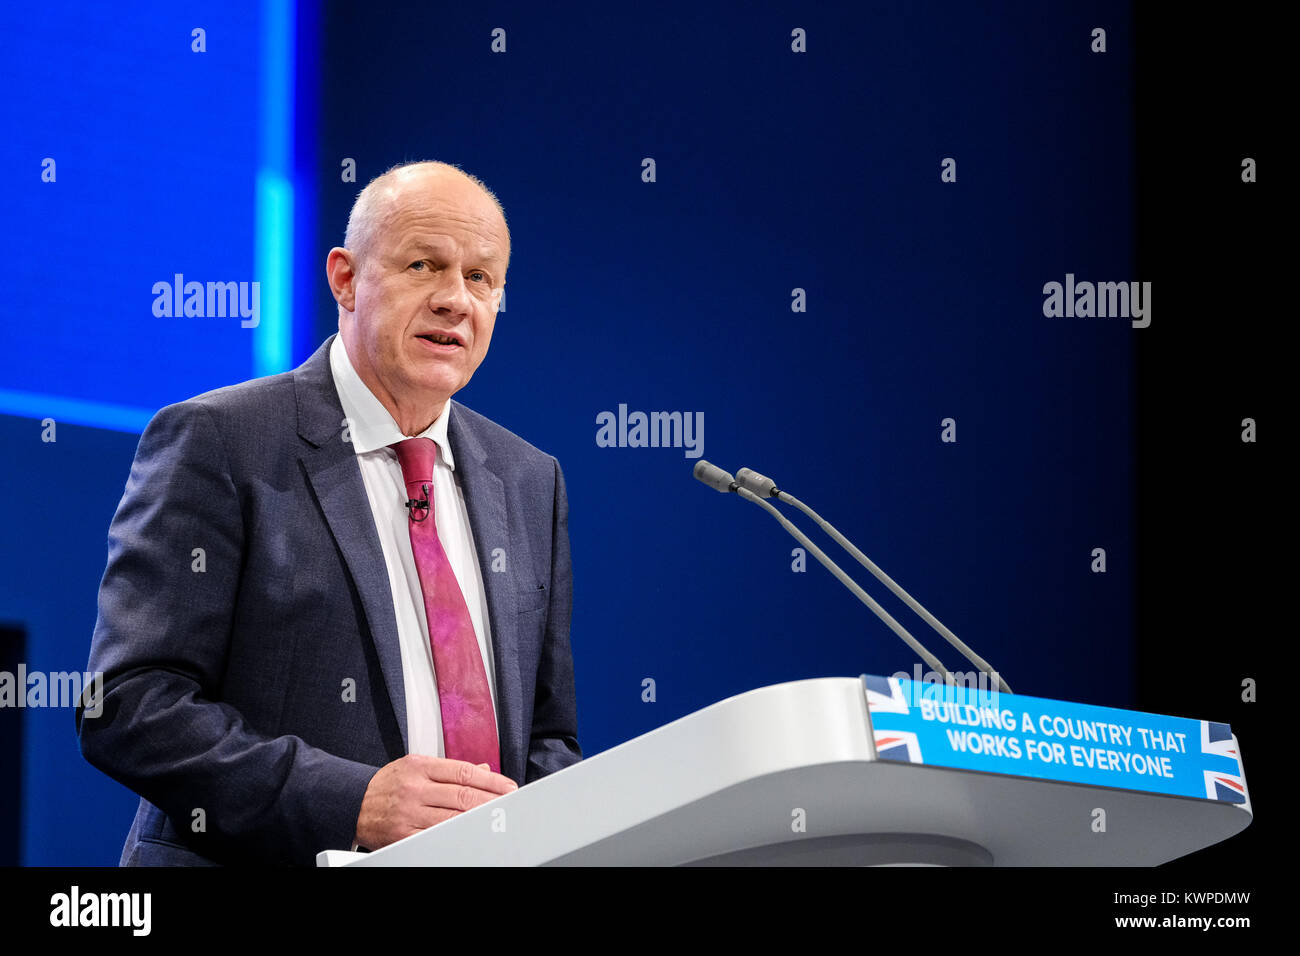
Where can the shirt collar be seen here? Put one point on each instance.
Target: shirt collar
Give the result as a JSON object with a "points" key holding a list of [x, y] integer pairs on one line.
{"points": [[371, 425]]}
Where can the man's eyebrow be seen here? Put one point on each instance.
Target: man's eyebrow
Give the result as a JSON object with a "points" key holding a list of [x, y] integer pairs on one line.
{"points": [[418, 245], [485, 253], [488, 252]]}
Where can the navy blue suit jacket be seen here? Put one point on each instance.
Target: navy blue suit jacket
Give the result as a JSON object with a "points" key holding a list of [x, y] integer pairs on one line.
{"points": [[253, 688]]}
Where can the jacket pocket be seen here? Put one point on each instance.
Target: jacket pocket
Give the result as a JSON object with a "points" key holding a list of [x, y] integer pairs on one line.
{"points": [[534, 598]]}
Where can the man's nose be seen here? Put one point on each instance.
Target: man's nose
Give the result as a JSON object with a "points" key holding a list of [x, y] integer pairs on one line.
{"points": [[451, 294]]}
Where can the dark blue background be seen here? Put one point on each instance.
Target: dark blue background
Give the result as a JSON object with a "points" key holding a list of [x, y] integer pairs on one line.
{"points": [[775, 170]]}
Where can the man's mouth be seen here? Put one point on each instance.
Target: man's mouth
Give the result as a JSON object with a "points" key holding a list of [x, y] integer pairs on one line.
{"points": [[441, 338]]}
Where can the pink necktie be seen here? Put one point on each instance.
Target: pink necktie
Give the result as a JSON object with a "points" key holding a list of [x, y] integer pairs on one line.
{"points": [[469, 729]]}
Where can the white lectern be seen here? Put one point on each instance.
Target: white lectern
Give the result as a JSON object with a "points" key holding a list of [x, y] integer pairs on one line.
{"points": [[845, 771]]}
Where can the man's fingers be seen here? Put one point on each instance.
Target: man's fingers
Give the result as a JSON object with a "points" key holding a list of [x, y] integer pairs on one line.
{"points": [[428, 816], [455, 797], [417, 791], [465, 774]]}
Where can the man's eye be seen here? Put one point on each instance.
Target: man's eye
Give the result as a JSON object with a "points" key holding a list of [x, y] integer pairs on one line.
{"points": [[483, 274], [418, 264]]}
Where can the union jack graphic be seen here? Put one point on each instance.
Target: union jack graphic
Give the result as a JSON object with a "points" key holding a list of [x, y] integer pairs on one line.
{"points": [[899, 745], [884, 695], [1218, 739]]}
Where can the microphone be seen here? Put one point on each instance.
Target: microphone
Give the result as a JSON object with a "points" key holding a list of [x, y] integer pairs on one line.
{"points": [[417, 505], [763, 486], [723, 481], [714, 477], [760, 485]]}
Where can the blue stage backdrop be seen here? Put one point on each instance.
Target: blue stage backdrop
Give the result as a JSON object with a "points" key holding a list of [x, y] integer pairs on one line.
{"points": [[821, 235]]}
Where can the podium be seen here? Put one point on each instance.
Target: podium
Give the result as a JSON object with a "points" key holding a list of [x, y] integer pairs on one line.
{"points": [[865, 771]]}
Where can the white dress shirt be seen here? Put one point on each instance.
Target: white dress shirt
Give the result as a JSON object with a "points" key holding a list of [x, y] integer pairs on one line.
{"points": [[372, 431]]}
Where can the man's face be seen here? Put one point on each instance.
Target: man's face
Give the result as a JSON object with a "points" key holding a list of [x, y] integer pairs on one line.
{"points": [[425, 298]]}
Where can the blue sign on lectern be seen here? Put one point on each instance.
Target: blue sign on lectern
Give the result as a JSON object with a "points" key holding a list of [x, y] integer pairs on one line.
{"points": [[970, 728]]}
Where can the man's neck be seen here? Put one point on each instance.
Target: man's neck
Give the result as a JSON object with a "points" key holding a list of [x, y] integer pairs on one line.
{"points": [[412, 430], [411, 421]]}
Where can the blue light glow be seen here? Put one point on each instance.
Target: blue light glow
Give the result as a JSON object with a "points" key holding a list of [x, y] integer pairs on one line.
{"points": [[273, 337]]}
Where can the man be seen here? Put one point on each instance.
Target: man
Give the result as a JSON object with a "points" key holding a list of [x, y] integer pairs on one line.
{"points": [[336, 606]]}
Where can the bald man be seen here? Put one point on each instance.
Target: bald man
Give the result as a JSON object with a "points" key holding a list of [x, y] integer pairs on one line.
{"points": [[336, 606]]}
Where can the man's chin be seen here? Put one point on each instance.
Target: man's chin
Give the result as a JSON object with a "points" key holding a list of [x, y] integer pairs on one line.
{"points": [[436, 388]]}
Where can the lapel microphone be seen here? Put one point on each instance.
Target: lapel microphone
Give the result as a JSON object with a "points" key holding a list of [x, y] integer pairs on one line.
{"points": [[419, 507]]}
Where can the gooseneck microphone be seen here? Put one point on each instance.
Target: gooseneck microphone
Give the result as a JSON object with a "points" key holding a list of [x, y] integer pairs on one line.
{"points": [[714, 477], [723, 481], [765, 487]]}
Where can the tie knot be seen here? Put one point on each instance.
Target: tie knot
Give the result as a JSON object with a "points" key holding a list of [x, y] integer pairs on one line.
{"points": [[417, 456]]}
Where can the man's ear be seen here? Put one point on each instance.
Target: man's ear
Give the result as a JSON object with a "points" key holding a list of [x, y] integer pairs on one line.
{"points": [[341, 271]]}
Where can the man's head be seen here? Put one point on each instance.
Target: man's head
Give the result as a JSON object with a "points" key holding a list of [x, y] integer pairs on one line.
{"points": [[424, 260]]}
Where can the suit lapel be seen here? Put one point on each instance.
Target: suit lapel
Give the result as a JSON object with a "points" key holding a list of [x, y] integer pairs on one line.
{"points": [[332, 469], [485, 499]]}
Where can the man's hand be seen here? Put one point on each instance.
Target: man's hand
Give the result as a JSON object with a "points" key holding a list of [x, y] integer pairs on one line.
{"points": [[417, 791]]}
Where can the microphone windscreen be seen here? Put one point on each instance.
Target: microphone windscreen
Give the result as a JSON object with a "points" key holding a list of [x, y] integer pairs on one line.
{"points": [[713, 476], [755, 483]]}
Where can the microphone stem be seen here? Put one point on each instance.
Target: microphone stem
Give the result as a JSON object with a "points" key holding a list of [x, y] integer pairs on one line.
{"points": [[849, 583], [889, 582]]}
